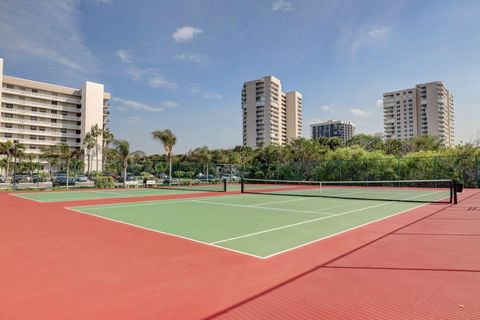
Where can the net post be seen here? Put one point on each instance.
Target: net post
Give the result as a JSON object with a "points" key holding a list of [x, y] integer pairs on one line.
{"points": [[455, 200], [242, 185], [225, 185]]}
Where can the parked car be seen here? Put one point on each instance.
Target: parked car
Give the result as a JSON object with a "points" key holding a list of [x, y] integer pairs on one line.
{"points": [[202, 176], [82, 179], [231, 177], [2, 179], [22, 177], [61, 180], [37, 178]]}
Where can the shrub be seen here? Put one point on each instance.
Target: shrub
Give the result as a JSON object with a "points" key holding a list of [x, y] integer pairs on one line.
{"points": [[105, 182]]}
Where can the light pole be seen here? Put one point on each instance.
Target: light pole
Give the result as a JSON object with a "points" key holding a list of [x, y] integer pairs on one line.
{"points": [[15, 164]]}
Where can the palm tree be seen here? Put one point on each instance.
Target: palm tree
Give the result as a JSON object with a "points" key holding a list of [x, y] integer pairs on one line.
{"points": [[50, 154], [96, 132], [68, 155], [9, 149], [89, 141], [107, 139], [168, 140], [123, 152]]}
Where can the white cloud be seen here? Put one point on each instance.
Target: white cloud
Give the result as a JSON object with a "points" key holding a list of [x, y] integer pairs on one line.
{"points": [[375, 32], [157, 81], [282, 6], [50, 32], [212, 95], [326, 108], [358, 112], [379, 103], [191, 57], [152, 76], [186, 33], [102, 2], [126, 104], [124, 56]]}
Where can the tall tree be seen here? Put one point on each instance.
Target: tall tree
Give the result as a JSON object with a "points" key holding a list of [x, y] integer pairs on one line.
{"points": [[50, 154], [9, 149], [168, 140], [96, 133], [123, 152], [107, 139], [89, 142], [68, 156]]}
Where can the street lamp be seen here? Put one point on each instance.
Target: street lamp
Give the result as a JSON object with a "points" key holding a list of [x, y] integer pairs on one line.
{"points": [[15, 164]]}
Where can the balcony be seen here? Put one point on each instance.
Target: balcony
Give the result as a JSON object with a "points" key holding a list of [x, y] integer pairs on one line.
{"points": [[39, 133], [39, 123], [38, 104], [40, 142], [42, 96], [39, 114]]}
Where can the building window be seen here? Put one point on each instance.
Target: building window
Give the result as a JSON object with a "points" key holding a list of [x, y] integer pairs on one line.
{"points": [[41, 138], [9, 106], [9, 86], [8, 125], [53, 120], [8, 135], [53, 111], [64, 130], [64, 139], [34, 90], [8, 115], [54, 103]]}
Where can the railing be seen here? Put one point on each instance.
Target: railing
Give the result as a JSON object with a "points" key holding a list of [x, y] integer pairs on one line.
{"points": [[40, 114], [41, 95], [39, 104]]}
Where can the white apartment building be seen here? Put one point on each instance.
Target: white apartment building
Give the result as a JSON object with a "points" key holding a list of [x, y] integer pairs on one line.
{"points": [[332, 128], [427, 109], [270, 116], [38, 114]]}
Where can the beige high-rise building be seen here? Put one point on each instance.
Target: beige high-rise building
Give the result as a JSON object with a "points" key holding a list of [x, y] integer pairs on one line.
{"points": [[427, 109], [270, 116], [38, 114]]}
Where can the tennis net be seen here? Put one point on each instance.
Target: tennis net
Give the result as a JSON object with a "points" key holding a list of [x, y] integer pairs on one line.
{"points": [[210, 185], [436, 191]]}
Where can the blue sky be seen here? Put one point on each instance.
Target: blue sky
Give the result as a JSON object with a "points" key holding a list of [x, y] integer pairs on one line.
{"points": [[181, 64]]}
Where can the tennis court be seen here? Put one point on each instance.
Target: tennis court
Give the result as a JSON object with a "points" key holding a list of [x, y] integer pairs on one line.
{"points": [[75, 195], [266, 220]]}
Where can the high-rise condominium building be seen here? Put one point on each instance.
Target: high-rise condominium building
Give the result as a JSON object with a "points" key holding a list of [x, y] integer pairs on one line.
{"points": [[270, 116], [38, 114], [332, 128], [426, 109]]}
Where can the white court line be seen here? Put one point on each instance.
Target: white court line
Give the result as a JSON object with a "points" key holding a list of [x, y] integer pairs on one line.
{"points": [[20, 196], [166, 233], [313, 220], [257, 207], [343, 231], [226, 248]]}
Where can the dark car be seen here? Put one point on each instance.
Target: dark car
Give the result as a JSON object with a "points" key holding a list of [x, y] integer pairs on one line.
{"points": [[22, 177], [62, 181], [36, 179]]}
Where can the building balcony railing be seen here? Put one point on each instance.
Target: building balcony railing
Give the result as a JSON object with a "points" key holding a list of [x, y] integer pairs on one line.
{"points": [[39, 133], [39, 104], [39, 123], [41, 142], [42, 96], [39, 114]]}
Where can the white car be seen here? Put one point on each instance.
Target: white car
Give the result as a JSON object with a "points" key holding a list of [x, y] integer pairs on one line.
{"points": [[231, 177]]}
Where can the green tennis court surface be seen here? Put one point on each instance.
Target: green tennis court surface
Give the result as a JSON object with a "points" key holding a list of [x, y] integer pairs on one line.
{"points": [[76, 194], [58, 196], [259, 225]]}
